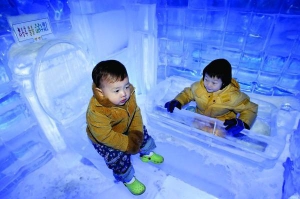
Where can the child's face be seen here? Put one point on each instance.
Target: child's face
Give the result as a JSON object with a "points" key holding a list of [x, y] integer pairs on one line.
{"points": [[118, 92], [212, 84]]}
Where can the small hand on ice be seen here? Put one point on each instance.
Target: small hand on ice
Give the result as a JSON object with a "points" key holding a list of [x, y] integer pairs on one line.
{"points": [[171, 105], [234, 126]]}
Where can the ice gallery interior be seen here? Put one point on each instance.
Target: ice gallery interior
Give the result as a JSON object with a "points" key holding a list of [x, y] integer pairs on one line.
{"points": [[49, 48]]}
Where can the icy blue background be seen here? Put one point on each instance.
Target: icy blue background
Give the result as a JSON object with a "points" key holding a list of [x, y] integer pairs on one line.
{"points": [[261, 38]]}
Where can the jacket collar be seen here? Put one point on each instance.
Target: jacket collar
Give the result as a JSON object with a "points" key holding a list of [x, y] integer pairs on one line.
{"points": [[234, 85]]}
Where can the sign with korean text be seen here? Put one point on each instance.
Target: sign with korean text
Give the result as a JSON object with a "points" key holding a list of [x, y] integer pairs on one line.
{"points": [[29, 28], [34, 29]]}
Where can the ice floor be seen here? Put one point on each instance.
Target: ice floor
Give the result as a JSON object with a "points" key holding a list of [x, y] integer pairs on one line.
{"points": [[189, 171]]}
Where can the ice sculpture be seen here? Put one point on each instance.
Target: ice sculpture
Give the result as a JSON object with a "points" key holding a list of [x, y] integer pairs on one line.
{"points": [[261, 146], [54, 75]]}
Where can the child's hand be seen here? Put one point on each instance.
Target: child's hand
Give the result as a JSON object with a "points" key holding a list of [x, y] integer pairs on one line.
{"points": [[234, 126], [132, 148], [171, 105], [135, 139], [136, 136]]}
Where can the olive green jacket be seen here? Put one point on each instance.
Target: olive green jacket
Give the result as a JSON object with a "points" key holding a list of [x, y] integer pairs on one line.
{"points": [[109, 124], [223, 104]]}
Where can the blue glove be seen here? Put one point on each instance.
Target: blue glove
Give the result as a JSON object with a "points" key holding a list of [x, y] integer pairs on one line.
{"points": [[234, 126], [171, 105]]}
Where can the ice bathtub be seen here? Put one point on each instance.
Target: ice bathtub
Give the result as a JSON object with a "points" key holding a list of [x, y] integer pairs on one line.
{"points": [[261, 146]]}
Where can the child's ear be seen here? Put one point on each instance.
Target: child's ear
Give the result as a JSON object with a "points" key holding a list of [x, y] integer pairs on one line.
{"points": [[99, 91]]}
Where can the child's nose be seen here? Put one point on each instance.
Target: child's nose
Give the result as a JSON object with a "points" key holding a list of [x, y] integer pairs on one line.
{"points": [[123, 93]]}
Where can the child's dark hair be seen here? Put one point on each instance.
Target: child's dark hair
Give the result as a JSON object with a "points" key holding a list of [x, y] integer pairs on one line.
{"points": [[219, 68], [109, 70]]}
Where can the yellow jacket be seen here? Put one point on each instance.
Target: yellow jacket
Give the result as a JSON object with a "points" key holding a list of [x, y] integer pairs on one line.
{"points": [[109, 124], [223, 104]]}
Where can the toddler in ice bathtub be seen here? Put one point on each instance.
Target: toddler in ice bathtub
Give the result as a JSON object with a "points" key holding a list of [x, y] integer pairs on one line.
{"points": [[218, 95], [115, 126]]}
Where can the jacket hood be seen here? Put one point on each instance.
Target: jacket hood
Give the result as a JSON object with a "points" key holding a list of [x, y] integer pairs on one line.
{"points": [[234, 83]]}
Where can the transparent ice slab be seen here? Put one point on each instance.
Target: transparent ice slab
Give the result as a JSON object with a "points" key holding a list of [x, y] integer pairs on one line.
{"points": [[23, 148], [261, 146]]}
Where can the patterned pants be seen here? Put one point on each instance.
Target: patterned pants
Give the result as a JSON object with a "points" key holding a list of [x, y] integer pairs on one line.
{"points": [[119, 162]]}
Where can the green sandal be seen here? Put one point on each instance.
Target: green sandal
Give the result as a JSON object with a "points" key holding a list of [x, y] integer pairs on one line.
{"points": [[153, 157], [136, 188]]}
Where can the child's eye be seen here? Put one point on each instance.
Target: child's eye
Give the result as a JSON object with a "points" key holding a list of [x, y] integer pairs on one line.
{"points": [[127, 87], [116, 91]]}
